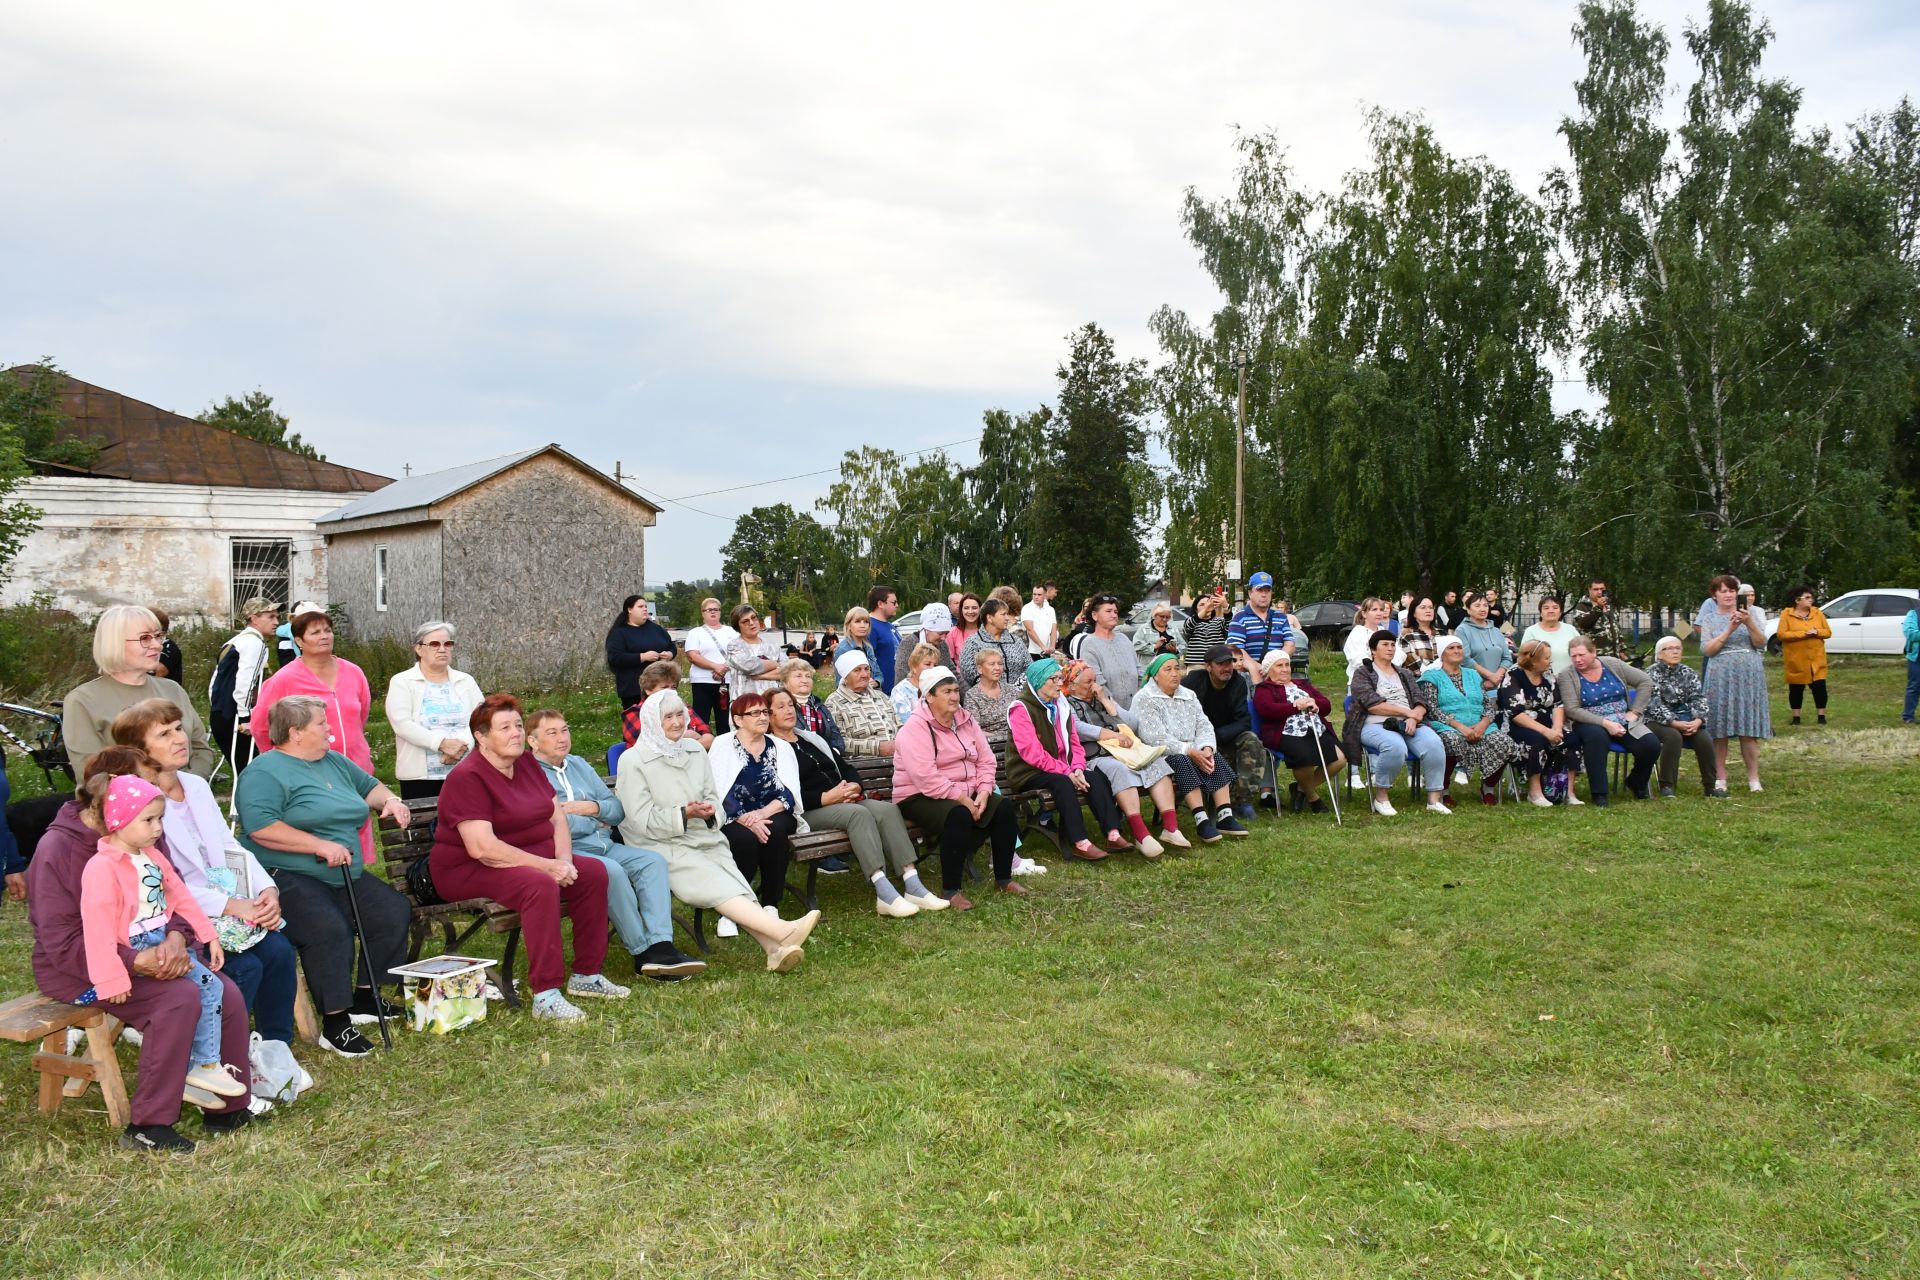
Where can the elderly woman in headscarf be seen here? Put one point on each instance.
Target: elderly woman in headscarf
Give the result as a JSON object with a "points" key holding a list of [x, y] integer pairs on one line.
{"points": [[1103, 729], [1677, 714], [1293, 725], [666, 788], [865, 715], [1468, 728], [943, 776], [1170, 714], [1048, 756]]}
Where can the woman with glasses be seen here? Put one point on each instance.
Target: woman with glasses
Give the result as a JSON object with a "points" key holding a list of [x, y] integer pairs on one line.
{"points": [[753, 661], [707, 669], [126, 648], [428, 705]]}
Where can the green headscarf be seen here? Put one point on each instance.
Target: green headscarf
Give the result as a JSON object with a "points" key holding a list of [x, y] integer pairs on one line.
{"points": [[1040, 671], [1153, 668]]}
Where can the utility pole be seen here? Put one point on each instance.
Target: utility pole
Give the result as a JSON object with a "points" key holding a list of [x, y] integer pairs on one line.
{"points": [[1240, 475]]}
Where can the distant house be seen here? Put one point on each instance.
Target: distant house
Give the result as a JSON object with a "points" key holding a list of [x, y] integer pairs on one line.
{"points": [[173, 512], [528, 555]]}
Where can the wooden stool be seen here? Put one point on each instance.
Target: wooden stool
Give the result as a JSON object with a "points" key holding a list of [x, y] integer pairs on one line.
{"points": [[35, 1017], [305, 1024]]}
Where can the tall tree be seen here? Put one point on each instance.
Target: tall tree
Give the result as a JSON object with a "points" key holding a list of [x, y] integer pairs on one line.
{"points": [[1424, 422], [787, 550], [999, 488], [1254, 244], [254, 416], [1085, 522], [680, 600], [1744, 308]]}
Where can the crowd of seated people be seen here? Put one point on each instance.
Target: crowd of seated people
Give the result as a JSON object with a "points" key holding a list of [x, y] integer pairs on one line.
{"points": [[1187, 722]]}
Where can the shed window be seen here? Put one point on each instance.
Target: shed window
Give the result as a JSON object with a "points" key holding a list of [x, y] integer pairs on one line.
{"points": [[380, 578], [258, 567]]}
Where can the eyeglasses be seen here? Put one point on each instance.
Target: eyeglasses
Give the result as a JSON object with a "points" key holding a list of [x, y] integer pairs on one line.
{"points": [[436, 644], [757, 711], [147, 637]]}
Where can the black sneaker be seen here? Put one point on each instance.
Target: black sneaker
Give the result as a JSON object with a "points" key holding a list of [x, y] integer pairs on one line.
{"points": [[368, 1005], [155, 1137], [1208, 833], [1319, 806], [1270, 802], [664, 962], [1228, 825], [1296, 798], [347, 1042], [223, 1122], [833, 866]]}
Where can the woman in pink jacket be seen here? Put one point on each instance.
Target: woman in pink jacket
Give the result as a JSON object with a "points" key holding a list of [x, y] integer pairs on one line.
{"points": [[943, 773], [335, 681], [1047, 756]]}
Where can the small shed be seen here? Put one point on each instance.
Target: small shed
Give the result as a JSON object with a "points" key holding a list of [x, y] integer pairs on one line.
{"points": [[172, 512], [528, 555]]}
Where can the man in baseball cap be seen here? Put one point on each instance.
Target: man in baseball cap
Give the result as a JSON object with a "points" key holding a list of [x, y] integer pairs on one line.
{"points": [[1257, 630]]}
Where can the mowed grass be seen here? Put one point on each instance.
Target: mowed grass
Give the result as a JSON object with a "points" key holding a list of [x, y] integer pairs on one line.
{"points": [[1668, 1038]]}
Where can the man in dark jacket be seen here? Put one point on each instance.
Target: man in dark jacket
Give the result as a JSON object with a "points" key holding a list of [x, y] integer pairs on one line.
{"points": [[163, 1006], [1227, 699]]}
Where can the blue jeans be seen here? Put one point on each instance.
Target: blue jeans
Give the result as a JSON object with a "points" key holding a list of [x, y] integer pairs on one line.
{"points": [[206, 1032], [267, 974], [638, 901], [1913, 691], [1390, 751]]}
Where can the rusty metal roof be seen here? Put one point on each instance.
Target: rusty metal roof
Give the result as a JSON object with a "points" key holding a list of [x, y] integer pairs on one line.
{"points": [[141, 442]]}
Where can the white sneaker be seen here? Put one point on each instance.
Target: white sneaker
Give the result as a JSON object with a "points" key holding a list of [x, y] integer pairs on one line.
{"points": [[1754, 786], [1385, 809], [1459, 777], [726, 929], [1434, 806], [596, 986], [1176, 839], [554, 1007], [213, 1077], [1027, 867], [1354, 781]]}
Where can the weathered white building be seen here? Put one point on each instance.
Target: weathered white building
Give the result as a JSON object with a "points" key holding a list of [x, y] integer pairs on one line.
{"points": [[175, 513]]}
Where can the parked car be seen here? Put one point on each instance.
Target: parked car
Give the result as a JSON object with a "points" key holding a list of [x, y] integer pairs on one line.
{"points": [[1862, 621], [1327, 622]]}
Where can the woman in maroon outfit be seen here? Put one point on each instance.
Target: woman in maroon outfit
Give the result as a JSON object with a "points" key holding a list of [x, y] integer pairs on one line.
{"points": [[502, 836], [164, 1003]]}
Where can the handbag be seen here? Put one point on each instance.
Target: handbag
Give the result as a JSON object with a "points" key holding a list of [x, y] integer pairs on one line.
{"points": [[419, 879], [1138, 755]]}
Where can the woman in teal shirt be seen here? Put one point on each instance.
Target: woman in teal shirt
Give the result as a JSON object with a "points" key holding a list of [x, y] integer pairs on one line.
{"points": [[1464, 721], [301, 807]]}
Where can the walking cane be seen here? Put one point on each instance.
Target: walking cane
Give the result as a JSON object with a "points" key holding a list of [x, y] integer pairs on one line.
{"points": [[1333, 792], [366, 959]]}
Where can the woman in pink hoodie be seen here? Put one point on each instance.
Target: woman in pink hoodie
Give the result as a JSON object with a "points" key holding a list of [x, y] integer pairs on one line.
{"points": [[340, 684], [943, 775]]}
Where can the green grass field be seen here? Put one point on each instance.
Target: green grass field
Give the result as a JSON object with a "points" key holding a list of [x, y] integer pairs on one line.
{"points": [[1670, 1038]]}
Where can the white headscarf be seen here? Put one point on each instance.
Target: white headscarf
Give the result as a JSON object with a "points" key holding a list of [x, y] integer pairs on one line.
{"points": [[1447, 642], [653, 739], [847, 661]]}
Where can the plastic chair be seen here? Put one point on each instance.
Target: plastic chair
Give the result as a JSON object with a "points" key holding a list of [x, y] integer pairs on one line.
{"points": [[614, 753]]}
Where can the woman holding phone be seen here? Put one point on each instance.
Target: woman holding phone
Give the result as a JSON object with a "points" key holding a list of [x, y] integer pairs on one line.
{"points": [[1732, 637]]}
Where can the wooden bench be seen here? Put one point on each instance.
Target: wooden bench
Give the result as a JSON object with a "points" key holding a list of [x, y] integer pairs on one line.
{"points": [[35, 1017], [403, 846]]}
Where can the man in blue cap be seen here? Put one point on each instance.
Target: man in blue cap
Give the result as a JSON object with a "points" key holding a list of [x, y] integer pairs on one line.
{"points": [[1255, 631], [1258, 628]]}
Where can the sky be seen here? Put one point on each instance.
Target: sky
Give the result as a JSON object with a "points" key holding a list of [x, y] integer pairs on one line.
{"points": [[716, 245]]}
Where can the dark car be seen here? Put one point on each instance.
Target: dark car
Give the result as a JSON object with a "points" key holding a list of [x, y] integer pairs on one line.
{"points": [[1327, 622]]}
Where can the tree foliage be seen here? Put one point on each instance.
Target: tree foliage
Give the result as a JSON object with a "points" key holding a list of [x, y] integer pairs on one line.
{"points": [[254, 416], [787, 550], [1746, 319], [680, 600], [1085, 523], [999, 488]]}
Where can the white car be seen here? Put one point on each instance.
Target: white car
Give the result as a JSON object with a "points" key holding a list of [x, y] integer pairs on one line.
{"points": [[1862, 621]]}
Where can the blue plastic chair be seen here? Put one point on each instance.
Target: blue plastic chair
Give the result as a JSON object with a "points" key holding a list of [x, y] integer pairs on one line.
{"points": [[614, 753]]}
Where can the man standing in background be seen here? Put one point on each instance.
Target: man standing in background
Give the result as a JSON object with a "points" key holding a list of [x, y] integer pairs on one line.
{"points": [[883, 603]]}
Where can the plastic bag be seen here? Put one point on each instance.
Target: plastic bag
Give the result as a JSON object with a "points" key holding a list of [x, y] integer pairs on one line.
{"points": [[276, 1074]]}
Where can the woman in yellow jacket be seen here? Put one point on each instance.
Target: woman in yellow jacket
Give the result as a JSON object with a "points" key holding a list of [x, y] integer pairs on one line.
{"points": [[1803, 637]]}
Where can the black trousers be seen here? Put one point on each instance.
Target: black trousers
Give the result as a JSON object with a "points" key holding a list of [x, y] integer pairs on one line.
{"points": [[767, 862], [706, 705], [959, 835], [1796, 693], [320, 926], [1066, 803], [1595, 745], [237, 744]]}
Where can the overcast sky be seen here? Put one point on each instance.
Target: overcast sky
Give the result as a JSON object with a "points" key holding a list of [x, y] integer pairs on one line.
{"points": [[718, 244]]}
